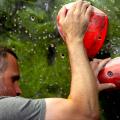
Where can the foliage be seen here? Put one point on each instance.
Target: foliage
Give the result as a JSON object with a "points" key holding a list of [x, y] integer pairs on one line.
{"points": [[29, 28]]}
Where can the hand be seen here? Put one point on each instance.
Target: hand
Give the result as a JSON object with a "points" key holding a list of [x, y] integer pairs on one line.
{"points": [[74, 22], [97, 65]]}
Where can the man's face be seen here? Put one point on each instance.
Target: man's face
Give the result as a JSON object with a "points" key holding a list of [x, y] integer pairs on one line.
{"points": [[11, 76]]}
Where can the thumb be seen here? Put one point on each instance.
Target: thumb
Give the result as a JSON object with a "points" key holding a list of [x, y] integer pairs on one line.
{"points": [[105, 86]]}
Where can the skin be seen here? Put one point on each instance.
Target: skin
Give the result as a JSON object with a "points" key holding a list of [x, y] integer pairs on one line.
{"points": [[83, 102], [97, 65], [9, 78]]}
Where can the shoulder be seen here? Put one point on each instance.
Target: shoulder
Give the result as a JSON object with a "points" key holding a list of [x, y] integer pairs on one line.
{"points": [[22, 107]]}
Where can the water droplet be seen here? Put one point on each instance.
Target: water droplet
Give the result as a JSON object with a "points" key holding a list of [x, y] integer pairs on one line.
{"points": [[108, 10], [46, 6], [32, 49], [19, 31], [32, 18], [115, 52], [20, 26], [26, 31], [43, 32], [15, 31], [34, 52], [62, 56], [10, 13], [30, 35], [50, 36], [55, 7], [117, 117], [18, 18], [15, 20], [15, 25], [44, 38], [24, 6], [39, 37], [52, 45], [113, 1], [17, 12], [20, 22], [35, 45]]}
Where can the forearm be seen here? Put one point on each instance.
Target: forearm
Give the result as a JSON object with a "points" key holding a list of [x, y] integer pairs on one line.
{"points": [[83, 85]]}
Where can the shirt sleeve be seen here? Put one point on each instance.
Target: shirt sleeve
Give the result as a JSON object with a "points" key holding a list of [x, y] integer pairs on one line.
{"points": [[18, 108]]}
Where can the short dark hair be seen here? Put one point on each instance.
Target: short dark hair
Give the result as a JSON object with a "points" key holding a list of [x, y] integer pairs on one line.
{"points": [[3, 54], [4, 50]]}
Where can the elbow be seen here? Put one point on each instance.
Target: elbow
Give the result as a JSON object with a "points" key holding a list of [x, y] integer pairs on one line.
{"points": [[91, 115], [87, 113], [94, 115]]}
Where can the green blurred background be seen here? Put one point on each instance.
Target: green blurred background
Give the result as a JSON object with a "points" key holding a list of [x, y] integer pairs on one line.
{"points": [[29, 28]]}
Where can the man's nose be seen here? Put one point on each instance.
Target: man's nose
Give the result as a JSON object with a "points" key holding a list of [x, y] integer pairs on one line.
{"points": [[18, 89]]}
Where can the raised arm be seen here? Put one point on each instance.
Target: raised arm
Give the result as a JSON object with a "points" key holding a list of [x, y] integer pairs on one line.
{"points": [[83, 86], [83, 102]]}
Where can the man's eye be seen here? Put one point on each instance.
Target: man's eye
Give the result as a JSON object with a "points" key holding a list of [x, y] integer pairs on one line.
{"points": [[15, 78]]}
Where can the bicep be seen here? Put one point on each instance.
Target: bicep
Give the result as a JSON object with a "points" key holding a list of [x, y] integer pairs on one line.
{"points": [[61, 109]]}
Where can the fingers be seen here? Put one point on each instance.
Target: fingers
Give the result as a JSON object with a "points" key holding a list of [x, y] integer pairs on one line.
{"points": [[95, 63], [97, 60], [98, 64], [72, 9], [105, 86], [85, 6], [82, 8], [89, 12], [62, 13], [103, 63], [78, 7]]}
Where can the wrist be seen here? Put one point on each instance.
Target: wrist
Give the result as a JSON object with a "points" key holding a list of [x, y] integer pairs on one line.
{"points": [[74, 43]]}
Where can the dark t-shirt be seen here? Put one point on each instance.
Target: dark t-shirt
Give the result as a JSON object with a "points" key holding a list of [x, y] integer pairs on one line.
{"points": [[18, 108]]}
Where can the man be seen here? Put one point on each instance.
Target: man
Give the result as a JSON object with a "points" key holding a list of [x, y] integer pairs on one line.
{"points": [[83, 102]]}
